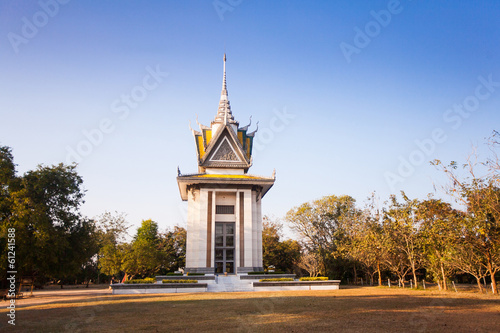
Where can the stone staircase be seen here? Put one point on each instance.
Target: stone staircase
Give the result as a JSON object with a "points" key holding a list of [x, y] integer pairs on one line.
{"points": [[230, 283]]}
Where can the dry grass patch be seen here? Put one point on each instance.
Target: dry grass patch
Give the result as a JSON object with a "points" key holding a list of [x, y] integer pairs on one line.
{"points": [[364, 309]]}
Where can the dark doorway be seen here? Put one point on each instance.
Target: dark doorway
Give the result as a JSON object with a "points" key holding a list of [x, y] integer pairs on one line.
{"points": [[224, 247]]}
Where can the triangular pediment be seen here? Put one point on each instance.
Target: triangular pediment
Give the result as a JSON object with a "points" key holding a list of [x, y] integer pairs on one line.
{"points": [[224, 151]]}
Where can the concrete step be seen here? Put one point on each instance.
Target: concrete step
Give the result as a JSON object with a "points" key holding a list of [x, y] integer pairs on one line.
{"points": [[229, 284]]}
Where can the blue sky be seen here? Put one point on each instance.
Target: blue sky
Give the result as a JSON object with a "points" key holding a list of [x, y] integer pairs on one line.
{"points": [[332, 120]]}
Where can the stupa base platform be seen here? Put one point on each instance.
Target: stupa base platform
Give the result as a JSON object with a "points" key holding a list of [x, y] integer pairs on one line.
{"points": [[221, 283]]}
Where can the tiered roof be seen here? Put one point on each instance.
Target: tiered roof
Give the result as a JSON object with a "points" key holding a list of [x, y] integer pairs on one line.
{"points": [[226, 148], [224, 144]]}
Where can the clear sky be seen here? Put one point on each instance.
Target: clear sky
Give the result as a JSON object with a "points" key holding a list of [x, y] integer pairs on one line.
{"points": [[352, 96]]}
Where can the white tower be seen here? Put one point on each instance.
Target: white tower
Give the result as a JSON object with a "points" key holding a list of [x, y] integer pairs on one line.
{"points": [[224, 227]]}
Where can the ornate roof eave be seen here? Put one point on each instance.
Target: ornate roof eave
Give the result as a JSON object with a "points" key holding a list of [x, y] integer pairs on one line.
{"points": [[218, 181], [215, 140], [253, 133], [195, 132], [201, 126], [245, 128]]}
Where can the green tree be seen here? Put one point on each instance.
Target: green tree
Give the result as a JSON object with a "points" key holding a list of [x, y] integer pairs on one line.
{"points": [[468, 259], [144, 257], [8, 184], [282, 254], [52, 239], [404, 237], [321, 225], [440, 233], [173, 244], [366, 243], [112, 230]]}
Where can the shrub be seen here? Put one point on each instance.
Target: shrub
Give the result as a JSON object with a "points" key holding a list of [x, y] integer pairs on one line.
{"points": [[276, 280], [174, 274], [146, 280], [195, 274], [317, 278], [179, 281]]}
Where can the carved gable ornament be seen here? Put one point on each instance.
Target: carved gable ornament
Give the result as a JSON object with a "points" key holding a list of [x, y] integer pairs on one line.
{"points": [[225, 152]]}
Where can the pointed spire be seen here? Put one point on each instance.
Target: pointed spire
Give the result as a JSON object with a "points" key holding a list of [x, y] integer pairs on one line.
{"points": [[224, 114], [224, 86]]}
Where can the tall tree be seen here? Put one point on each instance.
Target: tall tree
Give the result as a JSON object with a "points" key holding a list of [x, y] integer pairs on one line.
{"points": [[468, 259], [405, 239], [173, 244], [321, 225], [53, 240], [440, 225], [480, 195], [143, 257], [112, 230], [282, 254], [366, 244]]}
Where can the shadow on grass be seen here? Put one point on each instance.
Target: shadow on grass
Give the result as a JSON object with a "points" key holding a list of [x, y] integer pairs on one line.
{"points": [[257, 312]]}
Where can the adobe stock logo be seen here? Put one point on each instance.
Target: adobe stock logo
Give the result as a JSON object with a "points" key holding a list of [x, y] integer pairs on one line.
{"points": [[223, 6], [372, 29], [30, 28], [277, 124], [454, 116], [122, 107]]}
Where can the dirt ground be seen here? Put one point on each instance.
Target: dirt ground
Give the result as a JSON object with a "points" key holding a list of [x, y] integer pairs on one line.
{"points": [[350, 309]]}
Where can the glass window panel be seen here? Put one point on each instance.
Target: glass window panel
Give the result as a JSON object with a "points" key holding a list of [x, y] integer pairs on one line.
{"points": [[219, 240], [230, 229], [218, 267], [229, 254], [229, 240], [219, 254], [218, 228], [224, 209], [229, 267]]}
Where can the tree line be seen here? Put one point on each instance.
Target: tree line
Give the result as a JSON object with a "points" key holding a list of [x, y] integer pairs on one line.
{"points": [[402, 238], [54, 242], [405, 237]]}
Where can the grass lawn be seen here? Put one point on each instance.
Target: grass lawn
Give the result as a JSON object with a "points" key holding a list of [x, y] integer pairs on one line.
{"points": [[351, 309]]}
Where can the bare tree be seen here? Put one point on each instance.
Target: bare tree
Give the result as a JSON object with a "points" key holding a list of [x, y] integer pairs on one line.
{"points": [[480, 195], [311, 263]]}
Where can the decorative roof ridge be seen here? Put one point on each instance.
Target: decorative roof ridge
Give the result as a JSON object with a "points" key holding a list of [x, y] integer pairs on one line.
{"points": [[216, 175], [215, 140], [189, 174], [253, 133], [201, 126], [245, 128], [195, 132]]}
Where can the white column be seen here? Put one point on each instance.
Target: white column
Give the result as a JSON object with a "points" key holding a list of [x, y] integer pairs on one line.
{"points": [[255, 255], [249, 232], [201, 255], [237, 232], [213, 229], [258, 216], [192, 232]]}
